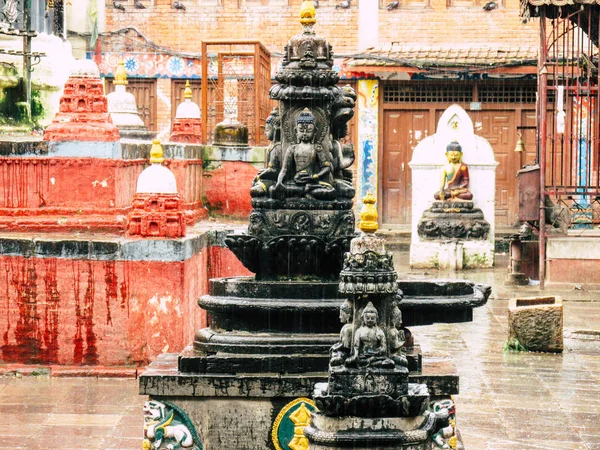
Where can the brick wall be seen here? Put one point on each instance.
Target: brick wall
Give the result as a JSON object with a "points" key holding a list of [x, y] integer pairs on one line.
{"points": [[274, 25]]}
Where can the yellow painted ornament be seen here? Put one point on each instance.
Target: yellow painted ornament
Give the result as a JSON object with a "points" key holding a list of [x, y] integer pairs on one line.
{"points": [[308, 13], [156, 152], [187, 93], [368, 215], [120, 74]]}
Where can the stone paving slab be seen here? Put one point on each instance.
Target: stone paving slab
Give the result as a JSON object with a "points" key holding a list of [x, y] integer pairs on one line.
{"points": [[507, 401]]}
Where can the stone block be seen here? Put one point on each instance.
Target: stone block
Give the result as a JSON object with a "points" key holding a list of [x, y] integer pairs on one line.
{"points": [[537, 323]]}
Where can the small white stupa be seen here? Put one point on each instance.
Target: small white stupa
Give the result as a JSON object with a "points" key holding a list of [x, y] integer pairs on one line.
{"points": [[123, 109], [156, 179], [156, 207], [187, 125]]}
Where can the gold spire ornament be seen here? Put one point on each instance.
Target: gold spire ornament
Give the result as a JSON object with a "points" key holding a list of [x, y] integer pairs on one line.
{"points": [[308, 13], [120, 74], [156, 152], [187, 93], [368, 215]]}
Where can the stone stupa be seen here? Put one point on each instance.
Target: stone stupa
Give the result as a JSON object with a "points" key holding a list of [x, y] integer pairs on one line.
{"points": [[123, 109], [156, 208], [187, 125]]}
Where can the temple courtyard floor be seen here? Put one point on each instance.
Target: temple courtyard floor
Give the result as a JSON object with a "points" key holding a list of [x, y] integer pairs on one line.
{"points": [[507, 401]]}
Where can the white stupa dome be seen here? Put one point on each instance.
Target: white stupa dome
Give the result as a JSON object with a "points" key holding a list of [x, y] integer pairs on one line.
{"points": [[187, 110], [156, 179], [85, 68]]}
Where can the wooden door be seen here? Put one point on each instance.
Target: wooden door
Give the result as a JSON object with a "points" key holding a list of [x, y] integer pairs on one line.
{"points": [[499, 128], [402, 131]]}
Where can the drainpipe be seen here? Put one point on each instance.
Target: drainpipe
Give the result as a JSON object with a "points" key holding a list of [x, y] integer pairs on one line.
{"points": [[368, 24], [542, 102]]}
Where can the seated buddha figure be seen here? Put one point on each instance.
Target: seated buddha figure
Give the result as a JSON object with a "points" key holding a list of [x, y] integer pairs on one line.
{"points": [[455, 176], [370, 345], [307, 166]]}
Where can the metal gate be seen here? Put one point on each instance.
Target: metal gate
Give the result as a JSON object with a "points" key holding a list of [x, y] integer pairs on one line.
{"points": [[239, 74]]}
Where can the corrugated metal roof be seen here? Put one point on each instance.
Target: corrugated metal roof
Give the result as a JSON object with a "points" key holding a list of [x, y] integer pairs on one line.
{"points": [[561, 2], [425, 57]]}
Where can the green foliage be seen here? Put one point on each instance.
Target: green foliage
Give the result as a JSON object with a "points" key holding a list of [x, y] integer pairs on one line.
{"points": [[513, 345], [37, 108]]}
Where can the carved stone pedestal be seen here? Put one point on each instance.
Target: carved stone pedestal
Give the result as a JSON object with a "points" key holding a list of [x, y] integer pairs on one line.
{"points": [[259, 326], [359, 433]]}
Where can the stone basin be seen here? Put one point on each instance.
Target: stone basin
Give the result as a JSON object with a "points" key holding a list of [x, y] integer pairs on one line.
{"points": [[440, 301]]}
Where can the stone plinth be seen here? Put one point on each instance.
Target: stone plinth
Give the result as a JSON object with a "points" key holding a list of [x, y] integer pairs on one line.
{"points": [[187, 131], [252, 401], [359, 433], [156, 215], [105, 301], [536, 323]]}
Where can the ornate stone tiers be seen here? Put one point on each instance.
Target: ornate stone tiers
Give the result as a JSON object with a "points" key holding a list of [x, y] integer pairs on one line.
{"points": [[368, 401], [256, 327], [453, 220]]}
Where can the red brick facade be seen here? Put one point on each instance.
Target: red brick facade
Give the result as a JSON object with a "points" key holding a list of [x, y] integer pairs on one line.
{"points": [[428, 23]]}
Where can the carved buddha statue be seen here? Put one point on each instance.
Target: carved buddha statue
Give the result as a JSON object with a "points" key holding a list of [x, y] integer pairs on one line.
{"points": [[370, 346], [396, 338], [455, 176], [341, 350], [307, 166], [267, 177]]}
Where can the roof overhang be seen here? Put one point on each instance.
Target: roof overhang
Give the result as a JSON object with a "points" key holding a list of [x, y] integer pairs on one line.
{"points": [[402, 61]]}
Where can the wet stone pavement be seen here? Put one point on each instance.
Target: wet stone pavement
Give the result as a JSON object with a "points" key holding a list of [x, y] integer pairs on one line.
{"points": [[507, 401]]}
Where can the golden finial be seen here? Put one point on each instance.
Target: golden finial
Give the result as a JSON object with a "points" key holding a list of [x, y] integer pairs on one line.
{"points": [[368, 215], [187, 93], [156, 152], [120, 73], [308, 13]]}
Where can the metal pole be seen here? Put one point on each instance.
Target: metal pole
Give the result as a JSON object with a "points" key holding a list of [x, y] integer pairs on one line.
{"points": [[542, 117], [27, 54]]}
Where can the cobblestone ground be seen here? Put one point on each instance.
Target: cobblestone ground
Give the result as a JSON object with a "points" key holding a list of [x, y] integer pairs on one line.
{"points": [[507, 401]]}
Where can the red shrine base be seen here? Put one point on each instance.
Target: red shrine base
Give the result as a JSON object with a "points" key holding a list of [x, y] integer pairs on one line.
{"points": [[71, 127], [81, 194], [187, 131], [156, 215], [83, 113], [108, 303]]}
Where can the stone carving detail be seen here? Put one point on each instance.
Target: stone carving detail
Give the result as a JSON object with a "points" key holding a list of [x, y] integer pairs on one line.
{"points": [[302, 201], [167, 427], [453, 220], [266, 178], [368, 401]]}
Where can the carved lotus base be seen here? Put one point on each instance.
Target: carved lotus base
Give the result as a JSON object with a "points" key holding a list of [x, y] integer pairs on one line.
{"points": [[351, 382], [358, 433], [453, 220], [294, 243], [374, 420]]}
